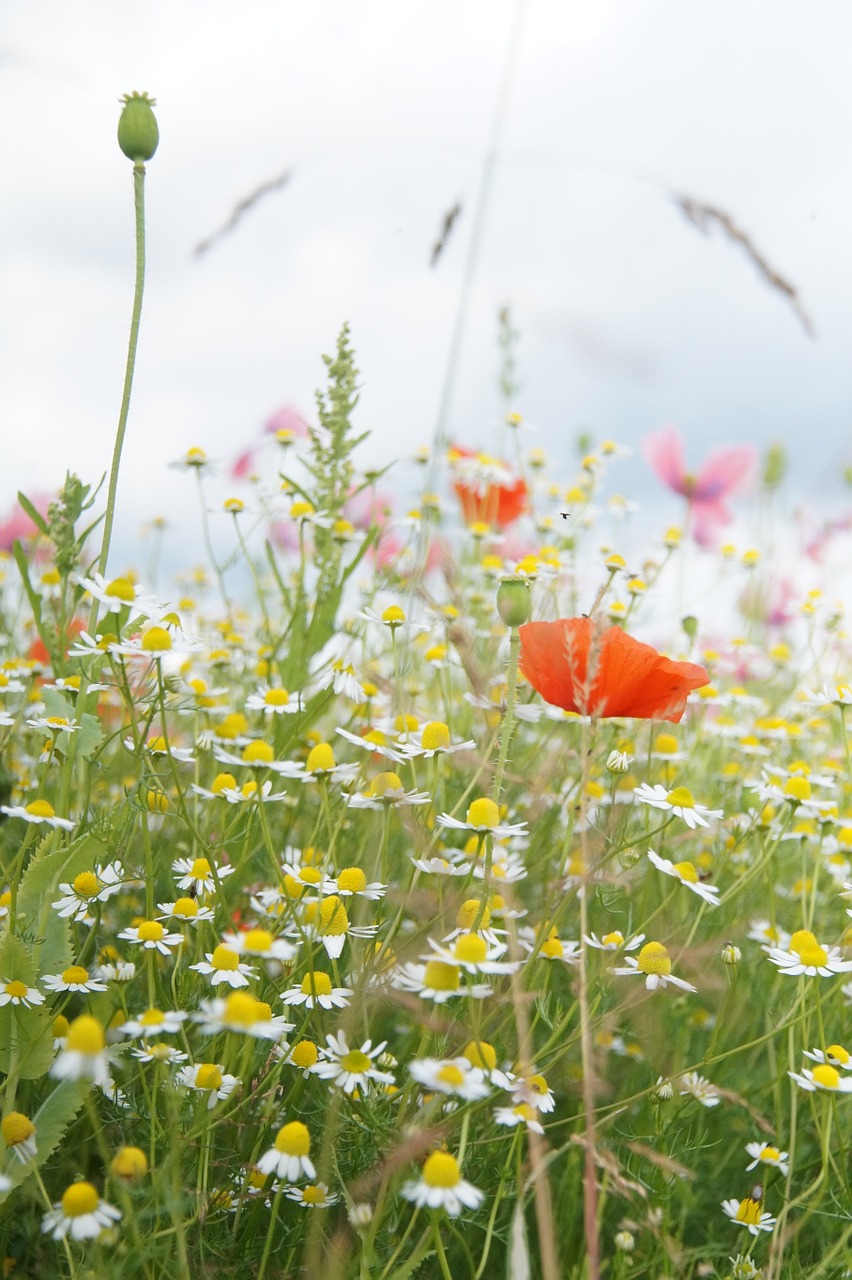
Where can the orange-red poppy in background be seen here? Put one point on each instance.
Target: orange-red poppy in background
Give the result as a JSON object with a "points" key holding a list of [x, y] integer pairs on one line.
{"points": [[488, 490], [576, 664]]}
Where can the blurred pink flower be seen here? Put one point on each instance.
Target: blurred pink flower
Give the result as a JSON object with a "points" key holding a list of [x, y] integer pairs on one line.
{"points": [[17, 526], [724, 473], [287, 420]]}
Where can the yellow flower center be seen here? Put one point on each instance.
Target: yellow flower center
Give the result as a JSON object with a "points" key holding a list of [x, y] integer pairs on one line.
{"points": [[304, 1054], [806, 947], [223, 782], [40, 809], [468, 913], [121, 589], [686, 871], [293, 1139], [355, 1061], [471, 948], [17, 990], [838, 1053], [483, 813], [313, 1195], [441, 1170], [451, 1074], [16, 1128], [826, 1075], [224, 958], [352, 879], [258, 752], [320, 759], [186, 908], [615, 939], [436, 735], [681, 797], [384, 783], [316, 983], [333, 919], [665, 744], [242, 1009], [376, 737], [654, 958], [151, 931], [797, 788], [86, 884], [440, 976], [85, 1035], [770, 1154], [538, 1085], [480, 1053], [156, 640], [200, 869], [130, 1163], [276, 698], [749, 1212], [257, 940], [552, 948], [75, 974], [208, 1076], [79, 1199], [393, 615], [152, 1018]]}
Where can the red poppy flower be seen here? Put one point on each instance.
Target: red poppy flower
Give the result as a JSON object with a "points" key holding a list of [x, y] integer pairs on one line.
{"points": [[489, 492], [576, 664]]}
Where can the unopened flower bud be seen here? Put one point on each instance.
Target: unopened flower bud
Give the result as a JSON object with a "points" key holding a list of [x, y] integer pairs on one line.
{"points": [[138, 134], [624, 1241], [618, 762], [513, 601], [731, 955]]}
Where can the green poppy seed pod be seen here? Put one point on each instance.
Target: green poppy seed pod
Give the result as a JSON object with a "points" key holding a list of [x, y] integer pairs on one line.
{"points": [[513, 601], [138, 134]]}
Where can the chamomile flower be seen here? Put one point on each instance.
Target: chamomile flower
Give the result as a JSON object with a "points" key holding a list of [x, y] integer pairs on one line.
{"points": [[198, 874], [687, 874], [151, 936], [89, 886], [699, 1089], [313, 1196], [224, 965], [441, 1186], [614, 941], [38, 812], [351, 1069], [532, 1089], [455, 1077], [154, 1022], [823, 1076], [274, 701], [209, 1078], [333, 928], [75, 978], [374, 742], [15, 992], [749, 1213], [433, 739], [352, 882], [160, 1052], [472, 953], [19, 1134], [806, 956], [835, 1055], [289, 1157], [483, 817], [679, 801], [243, 1014], [655, 963], [545, 943], [386, 789], [437, 980], [119, 594], [316, 989], [81, 1214], [84, 1055], [770, 935], [522, 1113], [764, 1153], [185, 911]]}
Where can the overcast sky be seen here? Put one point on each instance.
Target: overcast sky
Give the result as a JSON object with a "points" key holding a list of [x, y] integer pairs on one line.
{"points": [[382, 111]]}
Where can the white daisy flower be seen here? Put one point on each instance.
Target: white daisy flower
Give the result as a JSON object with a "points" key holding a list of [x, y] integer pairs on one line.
{"points": [[154, 1022], [532, 1089], [38, 812], [351, 882], [687, 874], [823, 1076], [655, 963], [614, 941], [433, 739], [89, 886], [261, 944], [75, 978], [160, 1052], [198, 874], [437, 980], [313, 1196], [453, 1076], [116, 971], [483, 817], [749, 1213], [243, 1014], [274, 702], [351, 1069], [119, 594], [441, 1186], [678, 801], [19, 1135], [289, 1157], [806, 956], [375, 742], [185, 911], [84, 1055], [80, 1214], [209, 1078], [835, 1055], [53, 724], [698, 1088], [472, 953], [15, 992], [151, 936], [523, 1113], [224, 965], [386, 789], [764, 1153], [770, 935], [316, 989]]}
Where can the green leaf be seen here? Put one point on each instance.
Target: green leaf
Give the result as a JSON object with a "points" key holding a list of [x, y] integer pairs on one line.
{"points": [[47, 869], [35, 515], [26, 1035], [89, 737], [56, 705]]}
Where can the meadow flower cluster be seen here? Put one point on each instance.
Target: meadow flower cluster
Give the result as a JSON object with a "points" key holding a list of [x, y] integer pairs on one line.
{"points": [[378, 904]]}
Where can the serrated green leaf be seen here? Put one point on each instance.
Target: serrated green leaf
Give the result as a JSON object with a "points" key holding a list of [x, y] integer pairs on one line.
{"points": [[50, 938], [89, 737], [56, 705], [26, 1041]]}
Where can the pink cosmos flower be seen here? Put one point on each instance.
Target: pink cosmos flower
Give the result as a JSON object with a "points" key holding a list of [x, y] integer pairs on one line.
{"points": [[723, 473], [288, 421], [17, 526]]}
